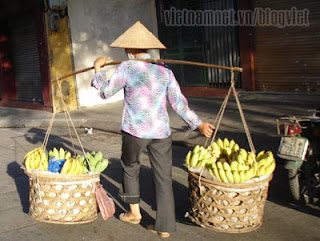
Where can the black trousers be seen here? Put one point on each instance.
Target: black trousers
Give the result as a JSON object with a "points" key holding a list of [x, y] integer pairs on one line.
{"points": [[160, 155]]}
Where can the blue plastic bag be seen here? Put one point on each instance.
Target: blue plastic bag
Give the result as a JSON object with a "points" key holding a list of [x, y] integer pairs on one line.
{"points": [[55, 165]]}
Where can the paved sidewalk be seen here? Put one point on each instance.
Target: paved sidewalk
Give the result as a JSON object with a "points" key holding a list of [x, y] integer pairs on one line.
{"points": [[21, 130], [261, 110]]}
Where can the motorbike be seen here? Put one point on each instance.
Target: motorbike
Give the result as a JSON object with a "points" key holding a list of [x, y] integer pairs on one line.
{"points": [[300, 149]]}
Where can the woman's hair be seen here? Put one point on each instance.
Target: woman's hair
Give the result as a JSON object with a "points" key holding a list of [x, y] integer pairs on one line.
{"points": [[136, 51]]}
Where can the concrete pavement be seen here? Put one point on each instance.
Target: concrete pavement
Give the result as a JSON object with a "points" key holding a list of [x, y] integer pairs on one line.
{"points": [[23, 130]]}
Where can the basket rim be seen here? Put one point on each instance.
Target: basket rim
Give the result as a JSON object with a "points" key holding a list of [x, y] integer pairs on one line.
{"points": [[231, 185], [61, 177]]}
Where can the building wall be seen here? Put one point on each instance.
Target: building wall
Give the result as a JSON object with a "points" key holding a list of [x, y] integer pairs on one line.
{"points": [[60, 61], [94, 25]]}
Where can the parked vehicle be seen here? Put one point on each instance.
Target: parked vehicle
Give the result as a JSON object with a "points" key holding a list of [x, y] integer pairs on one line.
{"points": [[300, 149]]}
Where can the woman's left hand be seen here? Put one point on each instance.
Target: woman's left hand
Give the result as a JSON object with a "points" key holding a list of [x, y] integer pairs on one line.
{"points": [[99, 62], [206, 129]]}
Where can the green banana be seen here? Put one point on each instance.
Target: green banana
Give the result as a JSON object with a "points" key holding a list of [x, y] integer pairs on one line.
{"points": [[99, 155], [101, 165]]}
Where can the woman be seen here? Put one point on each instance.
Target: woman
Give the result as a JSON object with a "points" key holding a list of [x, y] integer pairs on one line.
{"points": [[145, 122]]}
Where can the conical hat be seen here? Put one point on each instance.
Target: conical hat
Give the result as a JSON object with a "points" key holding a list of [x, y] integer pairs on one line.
{"points": [[137, 37]]}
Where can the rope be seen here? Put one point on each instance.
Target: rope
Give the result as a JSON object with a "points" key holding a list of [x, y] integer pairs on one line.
{"points": [[218, 119], [46, 138], [220, 114], [72, 124]]}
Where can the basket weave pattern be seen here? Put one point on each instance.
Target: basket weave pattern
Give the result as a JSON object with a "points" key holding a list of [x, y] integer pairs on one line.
{"points": [[224, 207], [63, 199]]}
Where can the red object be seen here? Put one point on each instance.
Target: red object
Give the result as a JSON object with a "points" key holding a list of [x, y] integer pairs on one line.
{"points": [[105, 203], [290, 129]]}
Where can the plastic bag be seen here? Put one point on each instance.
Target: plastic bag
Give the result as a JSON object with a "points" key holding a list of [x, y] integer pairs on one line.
{"points": [[105, 203], [55, 165]]}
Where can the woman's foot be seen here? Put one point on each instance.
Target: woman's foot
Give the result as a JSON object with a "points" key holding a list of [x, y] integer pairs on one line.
{"points": [[161, 234], [129, 218]]}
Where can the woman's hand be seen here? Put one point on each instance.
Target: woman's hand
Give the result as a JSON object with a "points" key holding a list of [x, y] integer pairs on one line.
{"points": [[99, 62], [206, 129]]}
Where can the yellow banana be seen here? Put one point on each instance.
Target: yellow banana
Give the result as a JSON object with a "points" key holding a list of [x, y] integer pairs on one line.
{"points": [[219, 164], [211, 160], [228, 151], [27, 163], [215, 146], [234, 166], [240, 159], [56, 152], [61, 153], [214, 165], [42, 167], [196, 149], [231, 144], [242, 177], [194, 159], [220, 143], [225, 143], [260, 155], [229, 176], [201, 162], [30, 152], [261, 171], [246, 175], [265, 161], [243, 154], [216, 173], [236, 147], [66, 166], [80, 168], [222, 175], [36, 159], [269, 169], [188, 158], [68, 155], [73, 167], [226, 166], [202, 152], [236, 177]]}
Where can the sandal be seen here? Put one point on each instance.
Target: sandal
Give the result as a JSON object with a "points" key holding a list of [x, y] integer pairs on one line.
{"points": [[123, 217], [161, 234]]}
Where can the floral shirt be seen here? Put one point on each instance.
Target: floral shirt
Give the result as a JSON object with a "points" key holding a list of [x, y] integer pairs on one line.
{"points": [[147, 87]]}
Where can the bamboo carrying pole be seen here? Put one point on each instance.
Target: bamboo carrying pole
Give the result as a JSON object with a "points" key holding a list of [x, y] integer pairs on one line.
{"points": [[168, 61]]}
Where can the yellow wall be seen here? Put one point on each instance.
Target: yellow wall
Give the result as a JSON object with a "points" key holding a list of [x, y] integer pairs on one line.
{"points": [[60, 61]]}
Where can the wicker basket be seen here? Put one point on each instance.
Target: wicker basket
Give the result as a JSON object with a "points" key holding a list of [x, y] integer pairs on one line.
{"points": [[63, 199], [225, 207]]}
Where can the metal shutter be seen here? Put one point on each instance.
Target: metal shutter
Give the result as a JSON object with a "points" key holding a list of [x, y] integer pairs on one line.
{"points": [[26, 58], [288, 59]]}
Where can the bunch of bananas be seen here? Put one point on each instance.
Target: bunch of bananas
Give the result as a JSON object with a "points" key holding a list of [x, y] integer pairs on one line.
{"points": [[72, 166], [229, 163], [97, 162], [59, 154], [36, 159]]}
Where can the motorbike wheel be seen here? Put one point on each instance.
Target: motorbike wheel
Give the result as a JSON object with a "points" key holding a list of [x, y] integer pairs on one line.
{"points": [[293, 175]]}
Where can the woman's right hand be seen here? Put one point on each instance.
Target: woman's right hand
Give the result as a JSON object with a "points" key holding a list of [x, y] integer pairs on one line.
{"points": [[99, 62], [206, 129]]}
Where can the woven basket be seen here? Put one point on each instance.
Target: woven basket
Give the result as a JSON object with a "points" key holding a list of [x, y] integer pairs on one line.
{"points": [[63, 199], [225, 207]]}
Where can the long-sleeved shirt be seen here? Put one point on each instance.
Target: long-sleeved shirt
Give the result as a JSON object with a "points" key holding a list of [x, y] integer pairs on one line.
{"points": [[147, 87]]}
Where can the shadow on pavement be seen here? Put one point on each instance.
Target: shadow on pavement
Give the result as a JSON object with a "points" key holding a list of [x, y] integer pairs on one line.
{"points": [[22, 183]]}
